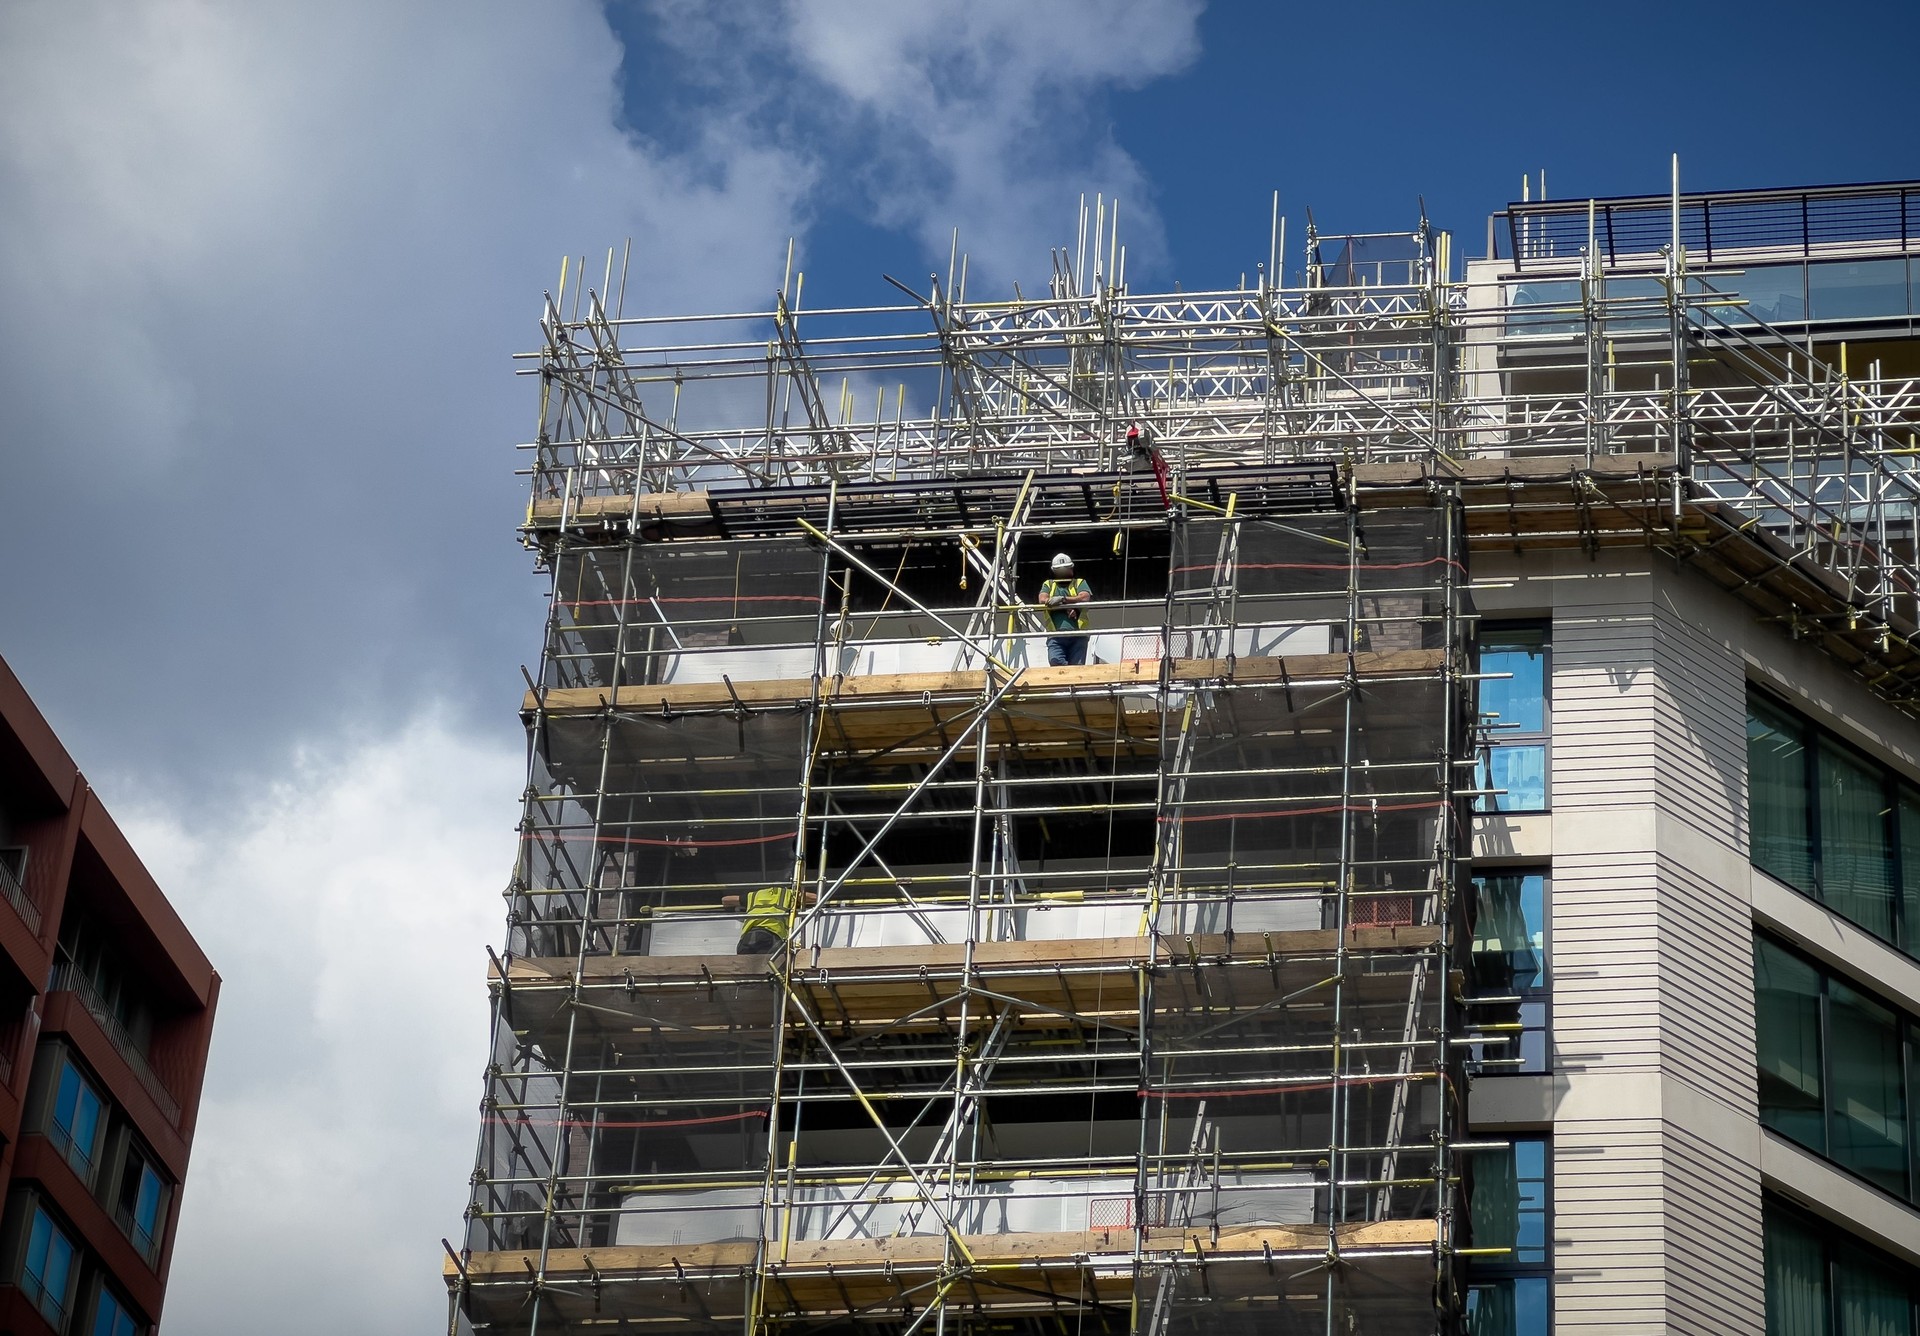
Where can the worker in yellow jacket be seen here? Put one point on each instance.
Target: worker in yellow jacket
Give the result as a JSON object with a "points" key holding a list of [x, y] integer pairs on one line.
{"points": [[1065, 599], [769, 915]]}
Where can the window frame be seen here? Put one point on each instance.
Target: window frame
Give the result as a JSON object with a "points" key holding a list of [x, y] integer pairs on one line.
{"points": [[34, 1285], [130, 1323], [1908, 1082], [1813, 737], [1483, 1271], [1487, 803], [1540, 992], [86, 1164], [137, 1159], [1832, 1241]]}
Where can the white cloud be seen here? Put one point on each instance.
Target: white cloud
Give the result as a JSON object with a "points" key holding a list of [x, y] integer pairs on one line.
{"points": [[982, 116], [347, 907], [263, 267]]}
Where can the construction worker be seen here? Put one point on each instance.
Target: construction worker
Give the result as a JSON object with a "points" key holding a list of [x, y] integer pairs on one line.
{"points": [[1064, 598], [769, 911]]}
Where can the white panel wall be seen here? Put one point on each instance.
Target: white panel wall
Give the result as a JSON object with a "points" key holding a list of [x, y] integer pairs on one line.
{"points": [[1656, 1185]]}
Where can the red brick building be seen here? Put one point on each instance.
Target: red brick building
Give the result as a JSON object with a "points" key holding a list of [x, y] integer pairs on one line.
{"points": [[106, 1010]]}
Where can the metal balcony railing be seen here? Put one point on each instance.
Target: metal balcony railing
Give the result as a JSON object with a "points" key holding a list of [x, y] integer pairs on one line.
{"points": [[67, 978], [16, 895]]}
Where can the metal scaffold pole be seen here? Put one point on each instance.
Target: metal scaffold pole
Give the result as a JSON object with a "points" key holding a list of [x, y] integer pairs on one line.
{"points": [[1107, 983]]}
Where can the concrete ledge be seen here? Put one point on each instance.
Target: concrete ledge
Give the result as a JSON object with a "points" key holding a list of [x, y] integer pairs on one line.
{"points": [[1511, 1103], [1851, 951], [1833, 1194]]}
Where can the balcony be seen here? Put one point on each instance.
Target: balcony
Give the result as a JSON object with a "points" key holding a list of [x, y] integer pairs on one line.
{"points": [[12, 885], [66, 978]]}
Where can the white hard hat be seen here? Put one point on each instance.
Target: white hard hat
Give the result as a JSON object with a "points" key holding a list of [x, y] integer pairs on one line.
{"points": [[1062, 563]]}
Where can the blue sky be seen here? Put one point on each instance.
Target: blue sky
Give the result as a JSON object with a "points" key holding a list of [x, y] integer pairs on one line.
{"points": [[264, 267]]}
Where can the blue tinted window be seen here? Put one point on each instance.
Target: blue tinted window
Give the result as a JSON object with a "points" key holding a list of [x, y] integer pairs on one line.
{"points": [[1509, 1292], [1648, 296], [143, 1201], [48, 1266], [1519, 702], [76, 1120], [1509, 1206], [1510, 960], [1823, 1282], [1519, 776], [111, 1317], [1856, 852], [1516, 1306], [1513, 710]]}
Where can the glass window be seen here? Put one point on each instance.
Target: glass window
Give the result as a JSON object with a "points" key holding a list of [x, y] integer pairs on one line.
{"points": [[1510, 959], [142, 1202], [76, 1126], [1867, 1127], [1870, 1294], [113, 1318], [1519, 701], [1798, 1302], [1833, 824], [1509, 1205], [1516, 1306], [47, 1270], [1787, 1022], [1649, 296], [1779, 801], [1538, 293], [1514, 710], [1907, 813], [1775, 293], [1856, 859], [1857, 289], [1509, 1293], [1821, 1282]]}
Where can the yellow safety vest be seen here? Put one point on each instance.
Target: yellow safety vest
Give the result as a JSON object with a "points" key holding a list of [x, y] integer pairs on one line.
{"points": [[770, 907], [1072, 618]]}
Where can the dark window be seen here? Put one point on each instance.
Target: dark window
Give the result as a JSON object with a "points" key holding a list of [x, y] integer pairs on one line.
{"points": [[1832, 1067], [1510, 1215], [1787, 1021], [1513, 710], [1510, 961], [142, 1203], [1822, 1283], [1855, 869], [1833, 824], [1867, 1117], [1779, 795]]}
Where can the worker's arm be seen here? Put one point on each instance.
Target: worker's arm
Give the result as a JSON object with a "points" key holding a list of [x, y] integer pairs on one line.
{"points": [[729, 902]]}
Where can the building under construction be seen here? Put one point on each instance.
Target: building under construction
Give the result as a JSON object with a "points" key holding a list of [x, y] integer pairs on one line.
{"points": [[1205, 981]]}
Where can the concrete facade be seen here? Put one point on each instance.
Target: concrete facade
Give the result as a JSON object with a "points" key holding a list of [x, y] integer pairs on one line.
{"points": [[1659, 1159]]}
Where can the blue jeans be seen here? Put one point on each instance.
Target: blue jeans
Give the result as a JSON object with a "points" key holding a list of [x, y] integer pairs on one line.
{"points": [[1066, 651]]}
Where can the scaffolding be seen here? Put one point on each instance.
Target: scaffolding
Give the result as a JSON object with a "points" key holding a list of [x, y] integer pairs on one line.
{"points": [[1132, 994]]}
